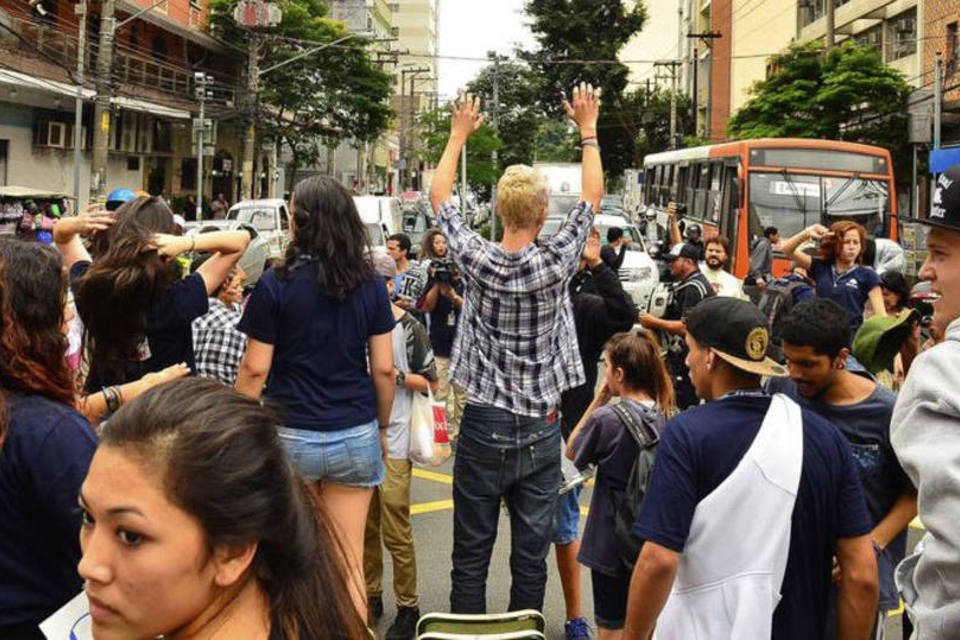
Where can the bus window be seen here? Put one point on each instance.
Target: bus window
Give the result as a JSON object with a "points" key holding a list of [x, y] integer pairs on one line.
{"points": [[649, 188], [786, 201], [701, 209], [713, 201], [864, 201], [679, 183]]}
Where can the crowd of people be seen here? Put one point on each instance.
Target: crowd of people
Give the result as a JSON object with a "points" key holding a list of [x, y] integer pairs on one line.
{"points": [[205, 463]]}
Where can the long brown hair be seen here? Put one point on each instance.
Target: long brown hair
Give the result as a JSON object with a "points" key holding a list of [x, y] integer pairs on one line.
{"points": [[127, 278], [426, 246], [829, 247], [33, 289], [222, 462], [638, 354], [329, 235]]}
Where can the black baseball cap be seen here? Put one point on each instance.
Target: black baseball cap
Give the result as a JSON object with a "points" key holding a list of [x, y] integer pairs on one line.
{"points": [[945, 212], [736, 331], [683, 250]]}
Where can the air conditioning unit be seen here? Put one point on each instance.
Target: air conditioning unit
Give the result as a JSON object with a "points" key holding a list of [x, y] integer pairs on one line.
{"points": [[56, 135]]}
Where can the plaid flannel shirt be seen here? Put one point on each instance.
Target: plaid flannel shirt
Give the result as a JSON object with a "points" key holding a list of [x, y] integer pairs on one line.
{"points": [[218, 346], [516, 344]]}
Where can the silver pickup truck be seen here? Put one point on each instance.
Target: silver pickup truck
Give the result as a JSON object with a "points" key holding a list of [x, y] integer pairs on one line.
{"points": [[270, 222]]}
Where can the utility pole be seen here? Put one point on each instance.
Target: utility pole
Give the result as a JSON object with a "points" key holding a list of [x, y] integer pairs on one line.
{"points": [[494, 157], [707, 38], [247, 180], [101, 104], [937, 98], [406, 125], [830, 9], [200, 127], [673, 66], [81, 10]]}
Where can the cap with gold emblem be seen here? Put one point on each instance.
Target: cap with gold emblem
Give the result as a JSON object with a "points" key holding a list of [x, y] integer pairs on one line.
{"points": [[736, 331]]}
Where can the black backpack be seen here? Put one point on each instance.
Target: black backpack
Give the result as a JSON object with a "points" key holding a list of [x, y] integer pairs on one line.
{"points": [[775, 303], [646, 434]]}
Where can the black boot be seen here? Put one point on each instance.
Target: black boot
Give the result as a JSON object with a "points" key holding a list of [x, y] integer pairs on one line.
{"points": [[374, 609], [405, 626]]}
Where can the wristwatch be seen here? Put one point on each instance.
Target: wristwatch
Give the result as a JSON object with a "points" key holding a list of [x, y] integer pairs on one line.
{"points": [[401, 378]]}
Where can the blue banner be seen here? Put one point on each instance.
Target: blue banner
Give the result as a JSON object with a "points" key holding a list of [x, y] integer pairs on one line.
{"points": [[943, 159]]}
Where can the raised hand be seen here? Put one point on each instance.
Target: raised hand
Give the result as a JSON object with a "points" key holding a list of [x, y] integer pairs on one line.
{"points": [[93, 219], [584, 107], [591, 250], [465, 116]]}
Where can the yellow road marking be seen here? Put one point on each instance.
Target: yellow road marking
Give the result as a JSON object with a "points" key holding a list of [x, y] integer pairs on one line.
{"points": [[436, 476], [916, 524], [430, 507], [893, 613]]}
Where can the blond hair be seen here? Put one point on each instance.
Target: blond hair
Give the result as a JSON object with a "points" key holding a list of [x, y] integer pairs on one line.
{"points": [[522, 195]]}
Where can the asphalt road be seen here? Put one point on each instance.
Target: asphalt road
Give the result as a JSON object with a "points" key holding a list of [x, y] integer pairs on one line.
{"points": [[431, 497]]}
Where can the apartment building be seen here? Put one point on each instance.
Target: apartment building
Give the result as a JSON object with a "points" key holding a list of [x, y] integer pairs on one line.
{"points": [[152, 97]]}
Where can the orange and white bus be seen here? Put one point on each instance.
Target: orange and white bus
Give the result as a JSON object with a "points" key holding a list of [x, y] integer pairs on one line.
{"points": [[736, 189]]}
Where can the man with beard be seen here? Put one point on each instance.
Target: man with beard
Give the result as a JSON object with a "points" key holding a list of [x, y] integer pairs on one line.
{"points": [[725, 284], [816, 343]]}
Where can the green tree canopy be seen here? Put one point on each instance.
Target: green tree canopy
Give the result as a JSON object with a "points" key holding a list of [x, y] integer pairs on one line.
{"points": [[435, 129], [847, 93], [337, 93], [570, 32]]}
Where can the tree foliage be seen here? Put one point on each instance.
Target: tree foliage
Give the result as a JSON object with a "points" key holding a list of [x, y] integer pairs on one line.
{"points": [[571, 31], [847, 93], [652, 133], [435, 129], [335, 94]]}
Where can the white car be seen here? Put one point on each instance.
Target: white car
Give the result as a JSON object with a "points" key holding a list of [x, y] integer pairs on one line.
{"points": [[638, 273]]}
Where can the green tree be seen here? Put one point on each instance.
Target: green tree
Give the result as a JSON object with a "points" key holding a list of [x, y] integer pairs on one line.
{"points": [[335, 94], [847, 93], [435, 129], [520, 114], [571, 31], [653, 122]]}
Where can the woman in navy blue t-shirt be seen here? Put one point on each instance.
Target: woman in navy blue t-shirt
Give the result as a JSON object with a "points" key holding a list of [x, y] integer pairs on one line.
{"points": [[838, 271], [45, 444], [312, 322]]}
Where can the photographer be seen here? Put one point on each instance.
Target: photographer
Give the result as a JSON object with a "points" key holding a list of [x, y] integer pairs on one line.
{"points": [[442, 302]]}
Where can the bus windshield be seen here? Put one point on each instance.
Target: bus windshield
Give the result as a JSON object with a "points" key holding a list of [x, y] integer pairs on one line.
{"points": [[791, 202]]}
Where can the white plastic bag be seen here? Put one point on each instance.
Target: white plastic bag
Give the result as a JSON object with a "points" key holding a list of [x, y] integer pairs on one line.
{"points": [[429, 442]]}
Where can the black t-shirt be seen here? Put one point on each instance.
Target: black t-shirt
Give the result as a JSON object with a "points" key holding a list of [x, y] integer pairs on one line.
{"points": [[702, 446], [687, 294], [169, 337], [443, 321]]}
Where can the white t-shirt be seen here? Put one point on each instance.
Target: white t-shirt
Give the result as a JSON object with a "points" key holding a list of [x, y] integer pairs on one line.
{"points": [[724, 284]]}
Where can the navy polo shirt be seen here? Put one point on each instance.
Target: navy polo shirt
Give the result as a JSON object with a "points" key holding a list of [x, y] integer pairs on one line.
{"points": [[319, 375], [850, 290]]}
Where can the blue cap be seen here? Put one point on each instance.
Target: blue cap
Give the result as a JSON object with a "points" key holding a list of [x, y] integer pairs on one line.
{"points": [[119, 196]]}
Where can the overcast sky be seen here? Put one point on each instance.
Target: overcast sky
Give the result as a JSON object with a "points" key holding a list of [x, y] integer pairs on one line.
{"points": [[470, 28]]}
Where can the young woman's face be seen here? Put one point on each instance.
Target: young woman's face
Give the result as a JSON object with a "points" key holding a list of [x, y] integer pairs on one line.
{"points": [[439, 245], [145, 562], [850, 246]]}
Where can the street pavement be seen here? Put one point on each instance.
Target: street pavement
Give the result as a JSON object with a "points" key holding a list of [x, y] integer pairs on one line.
{"points": [[432, 507]]}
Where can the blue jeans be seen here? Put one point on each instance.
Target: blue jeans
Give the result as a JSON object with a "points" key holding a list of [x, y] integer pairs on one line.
{"points": [[501, 455]]}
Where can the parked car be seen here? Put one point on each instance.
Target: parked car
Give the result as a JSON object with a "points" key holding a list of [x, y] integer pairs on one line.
{"points": [[638, 274], [269, 222]]}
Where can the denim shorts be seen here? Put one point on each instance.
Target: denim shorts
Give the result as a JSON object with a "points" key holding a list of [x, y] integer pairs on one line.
{"points": [[349, 456], [566, 519]]}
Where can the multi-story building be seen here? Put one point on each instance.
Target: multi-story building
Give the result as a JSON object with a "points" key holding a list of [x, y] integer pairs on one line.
{"points": [[415, 27], [941, 24], [152, 97], [367, 167]]}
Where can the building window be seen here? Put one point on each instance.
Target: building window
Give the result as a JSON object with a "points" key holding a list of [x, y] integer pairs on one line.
{"points": [[872, 37], [902, 35], [159, 49], [953, 47], [810, 11], [133, 163], [394, 7]]}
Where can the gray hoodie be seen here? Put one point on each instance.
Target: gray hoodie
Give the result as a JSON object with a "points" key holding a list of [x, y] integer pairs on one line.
{"points": [[925, 433]]}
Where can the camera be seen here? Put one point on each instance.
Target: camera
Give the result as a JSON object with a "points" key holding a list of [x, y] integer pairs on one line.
{"points": [[444, 270]]}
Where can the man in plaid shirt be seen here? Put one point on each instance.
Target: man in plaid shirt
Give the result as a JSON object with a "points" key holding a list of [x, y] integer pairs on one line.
{"points": [[217, 344], [514, 352]]}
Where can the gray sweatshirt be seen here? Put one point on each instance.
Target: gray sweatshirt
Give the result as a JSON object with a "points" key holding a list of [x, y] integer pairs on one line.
{"points": [[925, 433]]}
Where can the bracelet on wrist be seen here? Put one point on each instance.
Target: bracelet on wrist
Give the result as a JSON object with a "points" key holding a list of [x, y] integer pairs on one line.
{"points": [[582, 139], [590, 143]]}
